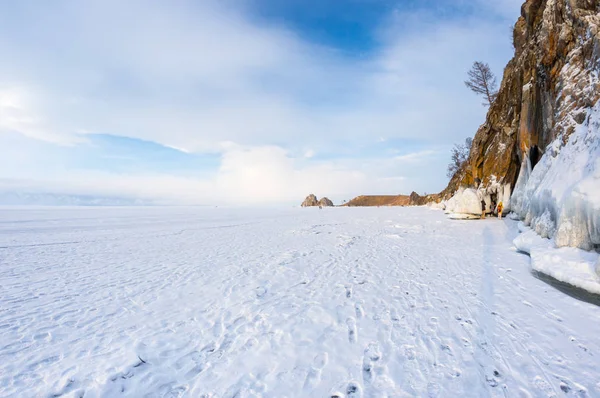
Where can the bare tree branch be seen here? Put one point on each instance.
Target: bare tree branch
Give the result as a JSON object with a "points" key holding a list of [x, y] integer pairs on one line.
{"points": [[459, 155]]}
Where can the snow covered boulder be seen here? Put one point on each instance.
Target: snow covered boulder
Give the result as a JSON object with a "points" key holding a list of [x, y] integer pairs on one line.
{"points": [[449, 205], [464, 201]]}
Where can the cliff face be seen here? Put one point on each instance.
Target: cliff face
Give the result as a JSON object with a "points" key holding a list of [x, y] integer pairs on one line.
{"points": [[547, 90], [541, 137]]}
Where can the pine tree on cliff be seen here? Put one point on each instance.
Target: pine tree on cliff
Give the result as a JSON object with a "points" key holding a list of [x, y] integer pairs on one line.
{"points": [[482, 81]]}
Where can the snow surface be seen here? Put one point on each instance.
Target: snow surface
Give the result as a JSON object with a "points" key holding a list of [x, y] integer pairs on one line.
{"points": [[371, 302]]}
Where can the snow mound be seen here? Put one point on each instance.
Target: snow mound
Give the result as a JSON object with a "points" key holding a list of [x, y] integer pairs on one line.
{"points": [[437, 206], [560, 197], [567, 264], [464, 201], [468, 202]]}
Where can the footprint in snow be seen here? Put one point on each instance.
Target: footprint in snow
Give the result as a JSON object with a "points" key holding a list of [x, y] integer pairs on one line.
{"points": [[371, 357], [433, 390], [584, 348], [543, 385], [261, 291], [348, 291], [394, 315], [491, 381], [565, 387], [251, 342], [359, 310], [352, 335], [313, 378], [354, 390]]}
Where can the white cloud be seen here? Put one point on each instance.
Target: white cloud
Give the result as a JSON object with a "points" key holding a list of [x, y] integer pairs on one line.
{"points": [[202, 77], [247, 175], [309, 154]]}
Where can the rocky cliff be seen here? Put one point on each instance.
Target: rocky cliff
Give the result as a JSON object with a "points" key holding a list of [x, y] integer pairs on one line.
{"points": [[546, 90], [545, 106]]}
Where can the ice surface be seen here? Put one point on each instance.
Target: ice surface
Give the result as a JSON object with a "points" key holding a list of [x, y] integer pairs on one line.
{"points": [[359, 302], [567, 264]]}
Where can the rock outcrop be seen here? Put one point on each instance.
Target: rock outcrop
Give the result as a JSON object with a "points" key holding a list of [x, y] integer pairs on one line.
{"points": [[544, 124], [546, 89], [325, 202], [379, 200], [417, 200], [310, 201]]}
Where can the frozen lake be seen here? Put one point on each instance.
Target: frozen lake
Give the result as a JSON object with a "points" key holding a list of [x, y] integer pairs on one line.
{"points": [[376, 302]]}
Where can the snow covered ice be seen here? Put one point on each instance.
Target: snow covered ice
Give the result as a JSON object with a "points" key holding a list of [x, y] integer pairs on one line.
{"points": [[348, 302], [567, 264]]}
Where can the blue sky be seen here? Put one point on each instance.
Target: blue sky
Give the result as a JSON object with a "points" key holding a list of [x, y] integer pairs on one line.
{"points": [[240, 101]]}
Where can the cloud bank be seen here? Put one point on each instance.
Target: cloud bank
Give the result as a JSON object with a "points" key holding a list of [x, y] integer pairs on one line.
{"points": [[283, 115]]}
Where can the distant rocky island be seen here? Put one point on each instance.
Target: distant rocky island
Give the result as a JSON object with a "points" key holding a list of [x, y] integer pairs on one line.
{"points": [[311, 201], [414, 199]]}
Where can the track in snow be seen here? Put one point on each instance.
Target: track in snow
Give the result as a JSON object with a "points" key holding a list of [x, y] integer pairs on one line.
{"points": [[282, 303]]}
